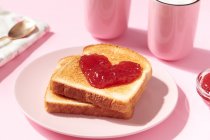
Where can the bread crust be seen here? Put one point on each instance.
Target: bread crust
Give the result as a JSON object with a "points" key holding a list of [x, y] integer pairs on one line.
{"points": [[85, 109], [60, 108], [88, 97]]}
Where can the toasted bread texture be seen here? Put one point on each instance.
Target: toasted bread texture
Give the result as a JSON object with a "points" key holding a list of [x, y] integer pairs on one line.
{"points": [[69, 81], [58, 104], [55, 103]]}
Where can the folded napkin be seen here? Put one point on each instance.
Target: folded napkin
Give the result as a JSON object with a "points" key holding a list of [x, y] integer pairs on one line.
{"points": [[15, 47]]}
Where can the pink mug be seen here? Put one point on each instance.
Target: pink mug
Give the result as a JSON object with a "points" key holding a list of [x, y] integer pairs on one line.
{"points": [[107, 19], [171, 28]]}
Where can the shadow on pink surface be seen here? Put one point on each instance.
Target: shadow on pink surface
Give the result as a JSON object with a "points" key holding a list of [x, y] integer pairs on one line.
{"points": [[133, 38], [206, 101], [149, 105], [195, 62], [171, 127], [136, 39], [166, 130], [9, 67]]}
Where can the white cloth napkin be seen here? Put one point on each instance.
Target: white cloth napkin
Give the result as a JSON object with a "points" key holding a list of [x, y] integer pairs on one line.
{"points": [[15, 47]]}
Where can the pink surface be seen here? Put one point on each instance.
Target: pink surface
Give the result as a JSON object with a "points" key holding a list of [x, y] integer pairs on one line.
{"points": [[171, 29], [190, 119]]}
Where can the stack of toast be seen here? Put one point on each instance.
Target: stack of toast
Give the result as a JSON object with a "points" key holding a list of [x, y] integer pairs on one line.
{"points": [[70, 92]]}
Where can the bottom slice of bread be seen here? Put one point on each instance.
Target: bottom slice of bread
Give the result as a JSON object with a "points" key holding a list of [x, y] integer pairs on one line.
{"points": [[58, 104]]}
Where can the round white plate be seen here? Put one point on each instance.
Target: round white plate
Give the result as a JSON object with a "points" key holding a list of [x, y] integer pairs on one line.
{"points": [[155, 105]]}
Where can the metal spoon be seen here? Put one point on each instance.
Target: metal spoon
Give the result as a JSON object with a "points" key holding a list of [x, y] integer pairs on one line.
{"points": [[20, 30]]}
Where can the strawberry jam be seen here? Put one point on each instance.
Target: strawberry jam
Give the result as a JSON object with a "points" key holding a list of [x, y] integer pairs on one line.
{"points": [[100, 73], [203, 84]]}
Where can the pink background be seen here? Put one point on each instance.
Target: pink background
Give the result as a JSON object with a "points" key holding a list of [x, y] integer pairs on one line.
{"points": [[191, 117]]}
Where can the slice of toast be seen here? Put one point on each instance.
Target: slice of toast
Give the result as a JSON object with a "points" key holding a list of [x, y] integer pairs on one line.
{"points": [[55, 103], [58, 104], [71, 82]]}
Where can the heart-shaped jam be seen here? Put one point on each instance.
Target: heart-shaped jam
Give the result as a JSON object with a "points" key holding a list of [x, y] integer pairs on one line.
{"points": [[100, 73]]}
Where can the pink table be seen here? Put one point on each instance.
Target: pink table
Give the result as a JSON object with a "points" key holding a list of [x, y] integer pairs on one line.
{"points": [[191, 117]]}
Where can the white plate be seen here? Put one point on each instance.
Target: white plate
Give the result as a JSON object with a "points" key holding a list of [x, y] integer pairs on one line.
{"points": [[156, 104]]}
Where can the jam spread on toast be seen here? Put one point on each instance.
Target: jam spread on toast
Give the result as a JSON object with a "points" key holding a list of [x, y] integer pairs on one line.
{"points": [[100, 73]]}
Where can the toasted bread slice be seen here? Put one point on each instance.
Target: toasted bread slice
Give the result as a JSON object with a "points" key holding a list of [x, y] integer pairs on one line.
{"points": [[70, 82], [55, 103], [58, 104]]}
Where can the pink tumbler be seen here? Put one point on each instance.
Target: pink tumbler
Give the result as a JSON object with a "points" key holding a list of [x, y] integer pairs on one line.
{"points": [[172, 27], [107, 19]]}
